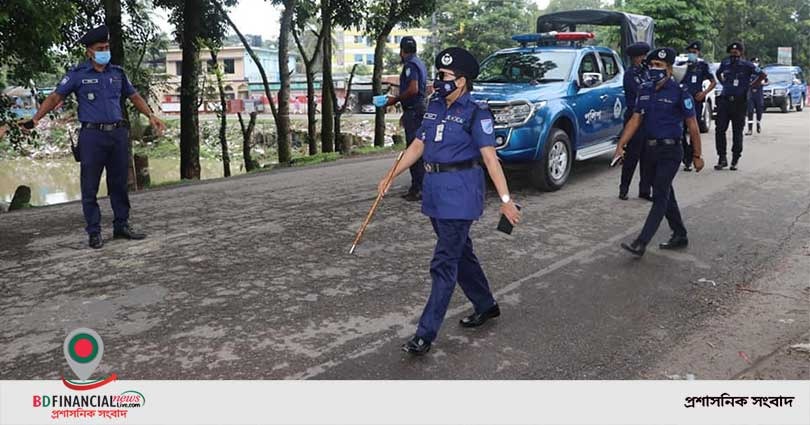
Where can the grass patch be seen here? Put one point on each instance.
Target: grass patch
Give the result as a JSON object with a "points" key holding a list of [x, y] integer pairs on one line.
{"points": [[315, 159], [172, 183], [369, 150]]}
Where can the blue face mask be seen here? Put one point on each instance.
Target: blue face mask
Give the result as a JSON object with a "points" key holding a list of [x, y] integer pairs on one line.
{"points": [[692, 57], [657, 74], [102, 57], [444, 88]]}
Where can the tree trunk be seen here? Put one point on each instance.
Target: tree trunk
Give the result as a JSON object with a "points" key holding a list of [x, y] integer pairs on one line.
{"points": [[312, 128], [283, 119], [345, 143], [112, 18], [376, 87], [247, 134], [328, 86], [223, 118], [189, 92]]}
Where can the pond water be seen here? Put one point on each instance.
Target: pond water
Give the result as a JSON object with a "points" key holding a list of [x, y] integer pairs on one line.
{"points": [[53, 181]]}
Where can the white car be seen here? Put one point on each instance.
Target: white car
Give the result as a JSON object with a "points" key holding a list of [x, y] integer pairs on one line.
{"points": [[705, 120]]}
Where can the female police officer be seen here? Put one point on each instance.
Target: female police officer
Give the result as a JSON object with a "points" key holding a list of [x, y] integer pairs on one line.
{"points": [[455, 137], [662, 107]]}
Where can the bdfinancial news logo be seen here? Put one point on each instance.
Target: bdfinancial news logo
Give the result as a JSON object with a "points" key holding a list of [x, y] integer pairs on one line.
{"points": [[83, 349]]}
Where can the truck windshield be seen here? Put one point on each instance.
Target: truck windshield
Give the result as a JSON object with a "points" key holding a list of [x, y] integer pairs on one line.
{"points": [[525, 67], [780, 77]]}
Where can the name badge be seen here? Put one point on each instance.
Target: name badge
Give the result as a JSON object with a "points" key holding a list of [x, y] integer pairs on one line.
{"points": [[736, 82], [694, 79], [439, 133], [90, 81]]}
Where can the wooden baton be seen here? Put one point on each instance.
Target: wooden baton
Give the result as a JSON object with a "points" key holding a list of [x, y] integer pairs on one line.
{"points": [[388, 178]]}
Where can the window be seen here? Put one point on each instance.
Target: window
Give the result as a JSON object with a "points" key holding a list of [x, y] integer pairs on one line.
{"points": [[611, 68], [369, 59], [358, 39], [397, 39], [388, 39], [534, 68], [589, 64], [179, 67], [229, 66], [358, 58]]}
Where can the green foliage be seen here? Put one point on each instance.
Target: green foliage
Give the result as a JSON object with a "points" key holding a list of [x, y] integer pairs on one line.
{"points": [[678, 22]]}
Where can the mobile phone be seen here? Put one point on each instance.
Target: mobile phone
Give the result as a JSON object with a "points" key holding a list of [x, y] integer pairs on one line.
{"points": [[504, 225]]}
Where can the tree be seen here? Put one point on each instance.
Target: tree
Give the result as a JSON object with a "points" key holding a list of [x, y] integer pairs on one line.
{"points": [[283, 119], [302, 33], [383, 16], [222, 113]]}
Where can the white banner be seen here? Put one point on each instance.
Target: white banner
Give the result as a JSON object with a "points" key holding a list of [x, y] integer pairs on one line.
{"points": [[408, 402]]}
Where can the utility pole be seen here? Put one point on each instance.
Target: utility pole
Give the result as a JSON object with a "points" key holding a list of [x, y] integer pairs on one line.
{"points": [[435, 41]]}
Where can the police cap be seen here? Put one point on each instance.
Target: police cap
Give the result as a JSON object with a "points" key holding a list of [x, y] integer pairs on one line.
{"points": [[738, 45], [95, 35], [638, 49], [666, 54], [694, 45], [459, 60], [408, 44]]}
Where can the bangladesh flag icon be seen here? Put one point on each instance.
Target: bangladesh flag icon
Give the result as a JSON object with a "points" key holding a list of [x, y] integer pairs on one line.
{"points": [[83, 350]]}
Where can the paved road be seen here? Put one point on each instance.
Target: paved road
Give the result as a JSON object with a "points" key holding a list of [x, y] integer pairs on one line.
{"points": [[249, 278]]}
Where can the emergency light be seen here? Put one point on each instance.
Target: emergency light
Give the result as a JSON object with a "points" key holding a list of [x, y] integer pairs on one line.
{"points": [[553, 37]]}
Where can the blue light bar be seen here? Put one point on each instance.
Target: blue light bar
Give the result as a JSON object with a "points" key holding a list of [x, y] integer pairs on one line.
{"points": [[532, 38]]}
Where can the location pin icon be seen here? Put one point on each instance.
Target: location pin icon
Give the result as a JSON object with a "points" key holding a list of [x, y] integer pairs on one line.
{"points": [[83, 349]]}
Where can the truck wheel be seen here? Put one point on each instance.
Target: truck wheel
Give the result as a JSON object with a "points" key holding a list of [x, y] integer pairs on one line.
{"points": [[800, 106], [787, 105], [551, 172]]}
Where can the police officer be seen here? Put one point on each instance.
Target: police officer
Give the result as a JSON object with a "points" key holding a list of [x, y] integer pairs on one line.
{"points": [[456, 138], [412, 85], [697, 71], [103, 140], [756, 102], [661, 110], [736, 75], [633, 78]]}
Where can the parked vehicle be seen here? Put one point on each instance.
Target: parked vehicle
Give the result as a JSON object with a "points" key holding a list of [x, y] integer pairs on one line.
{"points": [[786, 89]]}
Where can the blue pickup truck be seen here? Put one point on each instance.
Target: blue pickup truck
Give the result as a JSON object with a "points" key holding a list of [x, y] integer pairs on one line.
{"points": [[556, 99], [786, 88]]}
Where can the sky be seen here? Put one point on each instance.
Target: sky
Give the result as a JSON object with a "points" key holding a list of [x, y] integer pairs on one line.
{"points": [[258, 17]]}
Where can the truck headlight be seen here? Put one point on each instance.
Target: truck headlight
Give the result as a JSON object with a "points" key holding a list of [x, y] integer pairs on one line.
{"points": [[779, 92], [513, 113]]}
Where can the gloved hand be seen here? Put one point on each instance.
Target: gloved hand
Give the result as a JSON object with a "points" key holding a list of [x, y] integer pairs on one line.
{"points": [[380, 100]]}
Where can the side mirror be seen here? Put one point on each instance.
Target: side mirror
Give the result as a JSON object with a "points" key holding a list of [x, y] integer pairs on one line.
{"points": [[591, 79]]}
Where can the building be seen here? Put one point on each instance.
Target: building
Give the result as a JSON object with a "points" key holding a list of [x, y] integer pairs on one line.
{"points": [[242, 79], [355, 47]]}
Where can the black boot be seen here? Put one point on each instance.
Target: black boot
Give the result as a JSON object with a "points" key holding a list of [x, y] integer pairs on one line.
{"points": [[721, 163], [413, 196], [750, 130], [474, 320], [96, 241], [126, 232], [622, 194], [416, 346], [636, 248], [734, 162], [675, 242], [759, 127]]}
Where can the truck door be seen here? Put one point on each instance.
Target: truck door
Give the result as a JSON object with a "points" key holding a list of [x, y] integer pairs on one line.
{"points": [[612, 77], [591, 103]]}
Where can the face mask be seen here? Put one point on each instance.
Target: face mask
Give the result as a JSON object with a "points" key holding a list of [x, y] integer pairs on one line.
{"points": [[102, 57], [734, 58], [444, 88], [692, 57], [657, 74]]}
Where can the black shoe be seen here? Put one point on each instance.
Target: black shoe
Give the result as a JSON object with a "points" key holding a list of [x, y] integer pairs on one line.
{"points": [[474, 320], [675, 242], [721, 163], [623, 195], [646, 196], [413, 196], [750, 130], [636, 248], [96, 241], [687, 168], [127, 232], [416, 346], [759, 128], [734, 164]]}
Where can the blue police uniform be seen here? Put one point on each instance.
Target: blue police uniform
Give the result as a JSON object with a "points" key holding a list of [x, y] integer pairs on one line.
{"points": [[412, 110], [635, 150], [756, 103], [736, 76], [103, 140], [664, 112], [453, 200], [696, 74]]}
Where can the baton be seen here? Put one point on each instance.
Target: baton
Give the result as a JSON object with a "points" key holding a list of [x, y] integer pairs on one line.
{"points": [[388, 178]]}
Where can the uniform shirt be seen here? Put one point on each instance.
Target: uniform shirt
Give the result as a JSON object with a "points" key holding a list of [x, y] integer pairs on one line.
{"points": [[413, 70], [633, 78], [736, 78], [98, 93], [665, 110], [451, 135], [696, 74]]}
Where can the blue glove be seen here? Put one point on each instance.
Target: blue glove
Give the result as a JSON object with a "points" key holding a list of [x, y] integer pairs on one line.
{"points": [[380, 101]]}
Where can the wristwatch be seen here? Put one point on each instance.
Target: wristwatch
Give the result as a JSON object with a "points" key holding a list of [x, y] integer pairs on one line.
{"points": [[505, 198]]}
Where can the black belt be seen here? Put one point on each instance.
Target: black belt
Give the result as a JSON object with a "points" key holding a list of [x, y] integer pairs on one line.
{"points": [[412, 107], [453, 166], [105, 126], [734, 98], [655, 142]]}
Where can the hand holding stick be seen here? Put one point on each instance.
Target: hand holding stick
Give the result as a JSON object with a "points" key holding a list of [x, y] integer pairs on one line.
{"points": [[388, 179]]}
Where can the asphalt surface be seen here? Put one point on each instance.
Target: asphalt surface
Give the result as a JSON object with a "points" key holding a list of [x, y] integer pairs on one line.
{"points": [[249, 277]]}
